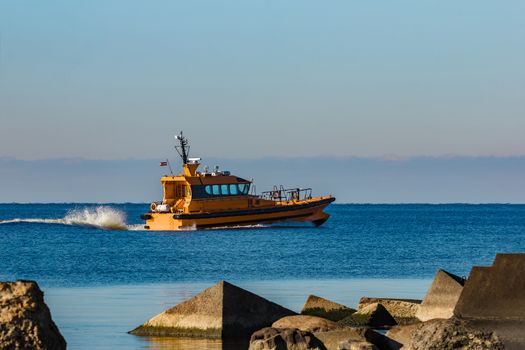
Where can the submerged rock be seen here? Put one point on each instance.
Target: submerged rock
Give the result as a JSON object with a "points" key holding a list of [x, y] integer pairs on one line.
{"points": [[270, 338], [25, 320], [374, 315], [317, 306], [442, 297], [222, 311], [306, 323]]}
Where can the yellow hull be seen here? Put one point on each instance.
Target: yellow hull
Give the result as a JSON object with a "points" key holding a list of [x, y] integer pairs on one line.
{"points": [[310, 210]]}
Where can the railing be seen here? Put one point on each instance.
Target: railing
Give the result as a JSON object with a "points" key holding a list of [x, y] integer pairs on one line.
{"points": [[280, 194]]}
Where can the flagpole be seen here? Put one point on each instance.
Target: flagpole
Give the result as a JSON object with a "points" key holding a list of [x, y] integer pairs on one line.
{"points": [[169, 165]]}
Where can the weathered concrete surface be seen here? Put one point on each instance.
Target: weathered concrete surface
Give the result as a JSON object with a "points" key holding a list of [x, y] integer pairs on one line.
{"points": [[306, 323], [494, 298], [374, 315], [398, 308], [25, 320], [321, 307], [442, 297], [222, 311], [284, 339], [439, 334], [495, 292], [315, 302]]}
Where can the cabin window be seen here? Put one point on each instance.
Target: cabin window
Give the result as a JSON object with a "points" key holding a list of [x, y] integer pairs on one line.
{"points": [[234, 190], [244, 188], [206, 191]]}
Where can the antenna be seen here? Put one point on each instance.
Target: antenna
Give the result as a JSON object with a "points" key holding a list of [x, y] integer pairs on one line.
{"points": [[184, 148]]}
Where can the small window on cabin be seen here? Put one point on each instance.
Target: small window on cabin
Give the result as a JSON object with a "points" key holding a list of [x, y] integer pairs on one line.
{"points": [[208, 190], [225, 190], [233, 190], [216, 190]]}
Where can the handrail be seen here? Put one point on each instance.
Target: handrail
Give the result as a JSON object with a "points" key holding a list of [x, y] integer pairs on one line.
{"points": [[280, 194]]}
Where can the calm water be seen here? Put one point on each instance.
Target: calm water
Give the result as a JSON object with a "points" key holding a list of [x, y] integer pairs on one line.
{"points": [[100, 283], [99, 317]]}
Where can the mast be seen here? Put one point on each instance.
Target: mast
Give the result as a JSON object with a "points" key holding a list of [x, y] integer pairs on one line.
{"points": [[184, 148]]}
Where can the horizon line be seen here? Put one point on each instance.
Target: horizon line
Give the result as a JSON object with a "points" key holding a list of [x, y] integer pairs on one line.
{"points": [[335, 203], [277, 157]]}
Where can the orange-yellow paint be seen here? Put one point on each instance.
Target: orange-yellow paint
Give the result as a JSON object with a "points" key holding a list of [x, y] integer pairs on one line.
{"points": [[185, 211]]}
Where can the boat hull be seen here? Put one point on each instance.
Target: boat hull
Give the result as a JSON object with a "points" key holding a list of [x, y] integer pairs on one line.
{"points": [[306, 211]]}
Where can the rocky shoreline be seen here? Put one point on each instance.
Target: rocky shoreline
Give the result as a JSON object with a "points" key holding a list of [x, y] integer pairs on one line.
{"points": [[484, 311]]}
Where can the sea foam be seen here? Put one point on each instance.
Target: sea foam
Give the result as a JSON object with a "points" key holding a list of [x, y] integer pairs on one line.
{"points": [[102, 217]]}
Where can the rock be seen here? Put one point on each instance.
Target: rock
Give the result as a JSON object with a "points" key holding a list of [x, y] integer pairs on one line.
{"points": [[222, 311], [452, 333], [25, 320], [363, 345], [374, 315], [284, 339], [442, 297], [317, 306], [401, 334], [306, 323], [355, 338], [403, 310], [333, 339]]}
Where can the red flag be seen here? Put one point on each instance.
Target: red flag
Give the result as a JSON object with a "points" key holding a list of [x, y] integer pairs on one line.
{"points": [[163, 163]]}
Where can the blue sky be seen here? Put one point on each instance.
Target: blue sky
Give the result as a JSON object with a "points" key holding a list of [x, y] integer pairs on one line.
{"points": [[248, 79]]}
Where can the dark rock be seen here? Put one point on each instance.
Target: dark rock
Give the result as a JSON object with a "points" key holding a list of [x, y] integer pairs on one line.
{"points": [[356, 338], [25, 320], [445, 334], [284, 339]]}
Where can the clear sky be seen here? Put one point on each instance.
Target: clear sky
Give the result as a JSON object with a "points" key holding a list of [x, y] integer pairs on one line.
{"points": [[116, 79]]}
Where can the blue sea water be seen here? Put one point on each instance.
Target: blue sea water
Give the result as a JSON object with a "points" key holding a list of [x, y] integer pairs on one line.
{"points": [[101, 282], [358, 241]]}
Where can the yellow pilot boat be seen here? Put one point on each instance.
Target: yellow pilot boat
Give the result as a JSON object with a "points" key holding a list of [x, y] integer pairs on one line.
{"points": [[206, 199]]}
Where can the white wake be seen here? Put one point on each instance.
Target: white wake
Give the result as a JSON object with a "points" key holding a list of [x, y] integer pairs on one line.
{"points": [[102, 217]]}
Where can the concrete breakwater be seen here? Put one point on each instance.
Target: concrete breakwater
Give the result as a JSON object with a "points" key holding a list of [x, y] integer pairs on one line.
{"points": [[348, 327], [450, 312]]}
